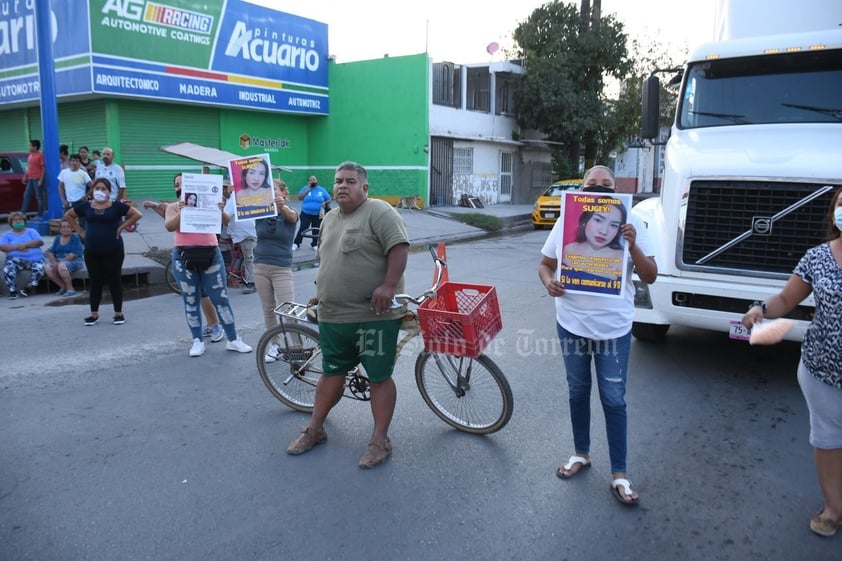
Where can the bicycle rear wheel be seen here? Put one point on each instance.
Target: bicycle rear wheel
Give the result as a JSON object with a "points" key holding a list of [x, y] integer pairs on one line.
{"points": [[471, 395], [293, 375]]}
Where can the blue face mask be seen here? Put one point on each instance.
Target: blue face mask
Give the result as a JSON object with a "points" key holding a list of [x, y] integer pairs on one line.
{"points": [[837, 217], [18, 225]]}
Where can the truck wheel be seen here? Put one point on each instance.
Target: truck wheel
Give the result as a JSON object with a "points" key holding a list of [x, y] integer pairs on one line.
{"points": [[650, 332]]}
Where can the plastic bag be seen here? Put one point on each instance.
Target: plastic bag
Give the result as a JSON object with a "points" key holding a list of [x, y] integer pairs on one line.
{"points": [[770, 331]]}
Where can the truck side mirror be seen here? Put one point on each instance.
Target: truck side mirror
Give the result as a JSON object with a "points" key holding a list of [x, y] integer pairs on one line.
{"points": [[650, 110]]}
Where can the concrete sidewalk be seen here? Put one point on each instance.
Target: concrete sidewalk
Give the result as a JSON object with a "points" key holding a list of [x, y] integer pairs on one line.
{"points": [[429, 226]]}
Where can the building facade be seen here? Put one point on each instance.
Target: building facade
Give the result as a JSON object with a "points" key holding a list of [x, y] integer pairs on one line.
{"points": [[136, 75]]}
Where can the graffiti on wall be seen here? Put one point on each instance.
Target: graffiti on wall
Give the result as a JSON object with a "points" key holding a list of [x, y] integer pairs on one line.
{"points": [[485, 187]]}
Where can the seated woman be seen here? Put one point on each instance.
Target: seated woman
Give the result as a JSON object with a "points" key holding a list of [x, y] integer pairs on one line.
{"points": [[64, 258], [22, 247]]}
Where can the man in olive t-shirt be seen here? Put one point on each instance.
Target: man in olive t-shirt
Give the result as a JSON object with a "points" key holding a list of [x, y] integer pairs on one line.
{"points": [[363, 248]]}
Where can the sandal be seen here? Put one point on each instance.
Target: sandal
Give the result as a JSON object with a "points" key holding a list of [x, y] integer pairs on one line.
{"points": [[585, 463], [375, 454], [623, 496], [306, 440], [824, 526]]}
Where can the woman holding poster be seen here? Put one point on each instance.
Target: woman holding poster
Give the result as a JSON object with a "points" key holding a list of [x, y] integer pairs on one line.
{"points": [[594, 328], [253, 193], [199, 270]]}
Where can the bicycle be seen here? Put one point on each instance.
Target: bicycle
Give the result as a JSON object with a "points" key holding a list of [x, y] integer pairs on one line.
{"points": [[462, 386], [234, 263]]}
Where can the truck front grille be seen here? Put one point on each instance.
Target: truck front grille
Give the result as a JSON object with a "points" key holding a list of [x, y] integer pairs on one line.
{"points": [[718, 212]]}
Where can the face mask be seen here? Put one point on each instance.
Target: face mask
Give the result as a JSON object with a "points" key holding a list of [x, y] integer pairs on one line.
{"points": [[313, 184], [837, 217], [178, 193], [18, 225], [100, 196]]}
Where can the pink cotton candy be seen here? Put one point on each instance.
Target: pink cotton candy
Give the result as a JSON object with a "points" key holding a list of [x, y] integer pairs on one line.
{"points": [[770, 331]]}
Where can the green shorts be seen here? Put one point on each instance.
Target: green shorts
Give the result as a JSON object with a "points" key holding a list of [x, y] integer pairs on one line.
{"points": [[370, 343]]}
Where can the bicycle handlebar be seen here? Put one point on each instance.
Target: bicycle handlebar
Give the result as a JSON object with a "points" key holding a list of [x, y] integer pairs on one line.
{"points": [[402, 299]]}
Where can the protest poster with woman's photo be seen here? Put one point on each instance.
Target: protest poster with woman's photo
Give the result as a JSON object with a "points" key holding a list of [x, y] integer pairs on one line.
{"points": [[252, 187], [593, 251]]}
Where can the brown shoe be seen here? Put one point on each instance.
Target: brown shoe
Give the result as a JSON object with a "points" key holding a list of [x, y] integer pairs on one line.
{"points": [[375, 454], [824, 526], [306, 440]]}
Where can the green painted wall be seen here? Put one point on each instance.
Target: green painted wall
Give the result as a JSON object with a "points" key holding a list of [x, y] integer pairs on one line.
{"points": [[283, 137], [379, 117]]}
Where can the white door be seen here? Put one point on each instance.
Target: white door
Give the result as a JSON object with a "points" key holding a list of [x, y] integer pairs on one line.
{"points": [[506, 165]]}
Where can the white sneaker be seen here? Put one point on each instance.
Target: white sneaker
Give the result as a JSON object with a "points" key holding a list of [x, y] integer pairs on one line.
{"points": [[198, 348], [295, 247], [238, 345], [272, 352]]}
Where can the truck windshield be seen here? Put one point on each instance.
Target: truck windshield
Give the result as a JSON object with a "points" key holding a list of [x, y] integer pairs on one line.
{"points": [[801, 87]]}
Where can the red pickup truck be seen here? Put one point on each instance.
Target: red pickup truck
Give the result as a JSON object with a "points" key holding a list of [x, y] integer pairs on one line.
{"points": [[12, 170]]}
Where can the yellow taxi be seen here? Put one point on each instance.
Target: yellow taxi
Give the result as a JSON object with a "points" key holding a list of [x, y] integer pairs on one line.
{"points": [[548, 206]]}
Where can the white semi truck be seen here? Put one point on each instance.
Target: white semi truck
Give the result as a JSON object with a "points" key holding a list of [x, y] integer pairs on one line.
{"points": [[752, 160]]}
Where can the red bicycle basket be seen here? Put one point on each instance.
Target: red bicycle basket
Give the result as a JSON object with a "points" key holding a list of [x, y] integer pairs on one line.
{"points": [[461, 320]]}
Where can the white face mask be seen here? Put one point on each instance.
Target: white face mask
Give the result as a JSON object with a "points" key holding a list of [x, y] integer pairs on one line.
{"points": [[837, 217], [100, 196]]}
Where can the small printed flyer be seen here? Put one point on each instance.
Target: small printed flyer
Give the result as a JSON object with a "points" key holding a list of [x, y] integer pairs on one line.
{"points": [[253, 192], [593, 250], [201, 195]]}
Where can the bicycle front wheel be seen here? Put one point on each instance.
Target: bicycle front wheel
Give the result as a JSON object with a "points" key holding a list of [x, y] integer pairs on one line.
{"points": [[289, 361], [470, 394]]}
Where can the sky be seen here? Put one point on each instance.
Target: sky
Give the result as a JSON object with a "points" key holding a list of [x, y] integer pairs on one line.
{"points": [[461, 30]]}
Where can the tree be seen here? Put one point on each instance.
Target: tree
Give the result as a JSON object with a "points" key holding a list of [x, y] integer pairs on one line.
{"points": [[622, 126], [568, 54]]}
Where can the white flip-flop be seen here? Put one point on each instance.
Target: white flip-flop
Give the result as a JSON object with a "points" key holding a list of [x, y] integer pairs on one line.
{"points": [[569, 465], [624, 497]]}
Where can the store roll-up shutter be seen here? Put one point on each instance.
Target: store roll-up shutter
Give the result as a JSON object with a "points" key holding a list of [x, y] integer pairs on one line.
{"points": [[145, 127], [82, 124]]}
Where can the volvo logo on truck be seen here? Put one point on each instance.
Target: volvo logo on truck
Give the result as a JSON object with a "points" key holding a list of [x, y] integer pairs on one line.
{"points": [[761, 225]]}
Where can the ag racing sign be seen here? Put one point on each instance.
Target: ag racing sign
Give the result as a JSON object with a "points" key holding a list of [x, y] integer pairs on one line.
{"points": [[229, 53]]}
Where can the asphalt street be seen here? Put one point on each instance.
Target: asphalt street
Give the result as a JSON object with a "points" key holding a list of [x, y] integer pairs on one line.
{"points": [[115, 445]]}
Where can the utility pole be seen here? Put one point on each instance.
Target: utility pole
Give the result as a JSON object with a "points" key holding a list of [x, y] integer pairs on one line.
{"points": [[49, 107], [591, 15]]}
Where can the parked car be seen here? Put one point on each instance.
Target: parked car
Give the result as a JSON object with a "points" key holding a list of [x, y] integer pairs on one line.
{"points": [[12, 170], [548, 206]]}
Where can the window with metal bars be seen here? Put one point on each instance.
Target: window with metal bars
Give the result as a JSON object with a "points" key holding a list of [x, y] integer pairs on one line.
{"points": [[447, 84], [463, 161]]}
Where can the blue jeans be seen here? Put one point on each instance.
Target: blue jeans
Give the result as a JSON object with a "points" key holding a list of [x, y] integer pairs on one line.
{"points": [[212, 283], [611, 359], [31, 189], [307, 221]]}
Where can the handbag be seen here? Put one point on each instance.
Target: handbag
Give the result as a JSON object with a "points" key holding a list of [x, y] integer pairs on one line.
{"points": [[196, 257]]}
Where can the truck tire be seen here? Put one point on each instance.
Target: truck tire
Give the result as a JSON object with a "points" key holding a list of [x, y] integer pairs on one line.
{"points": [[650, 332]]}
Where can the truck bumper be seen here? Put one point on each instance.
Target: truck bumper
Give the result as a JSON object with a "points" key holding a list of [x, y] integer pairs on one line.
{"points": [[709, 305]]}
